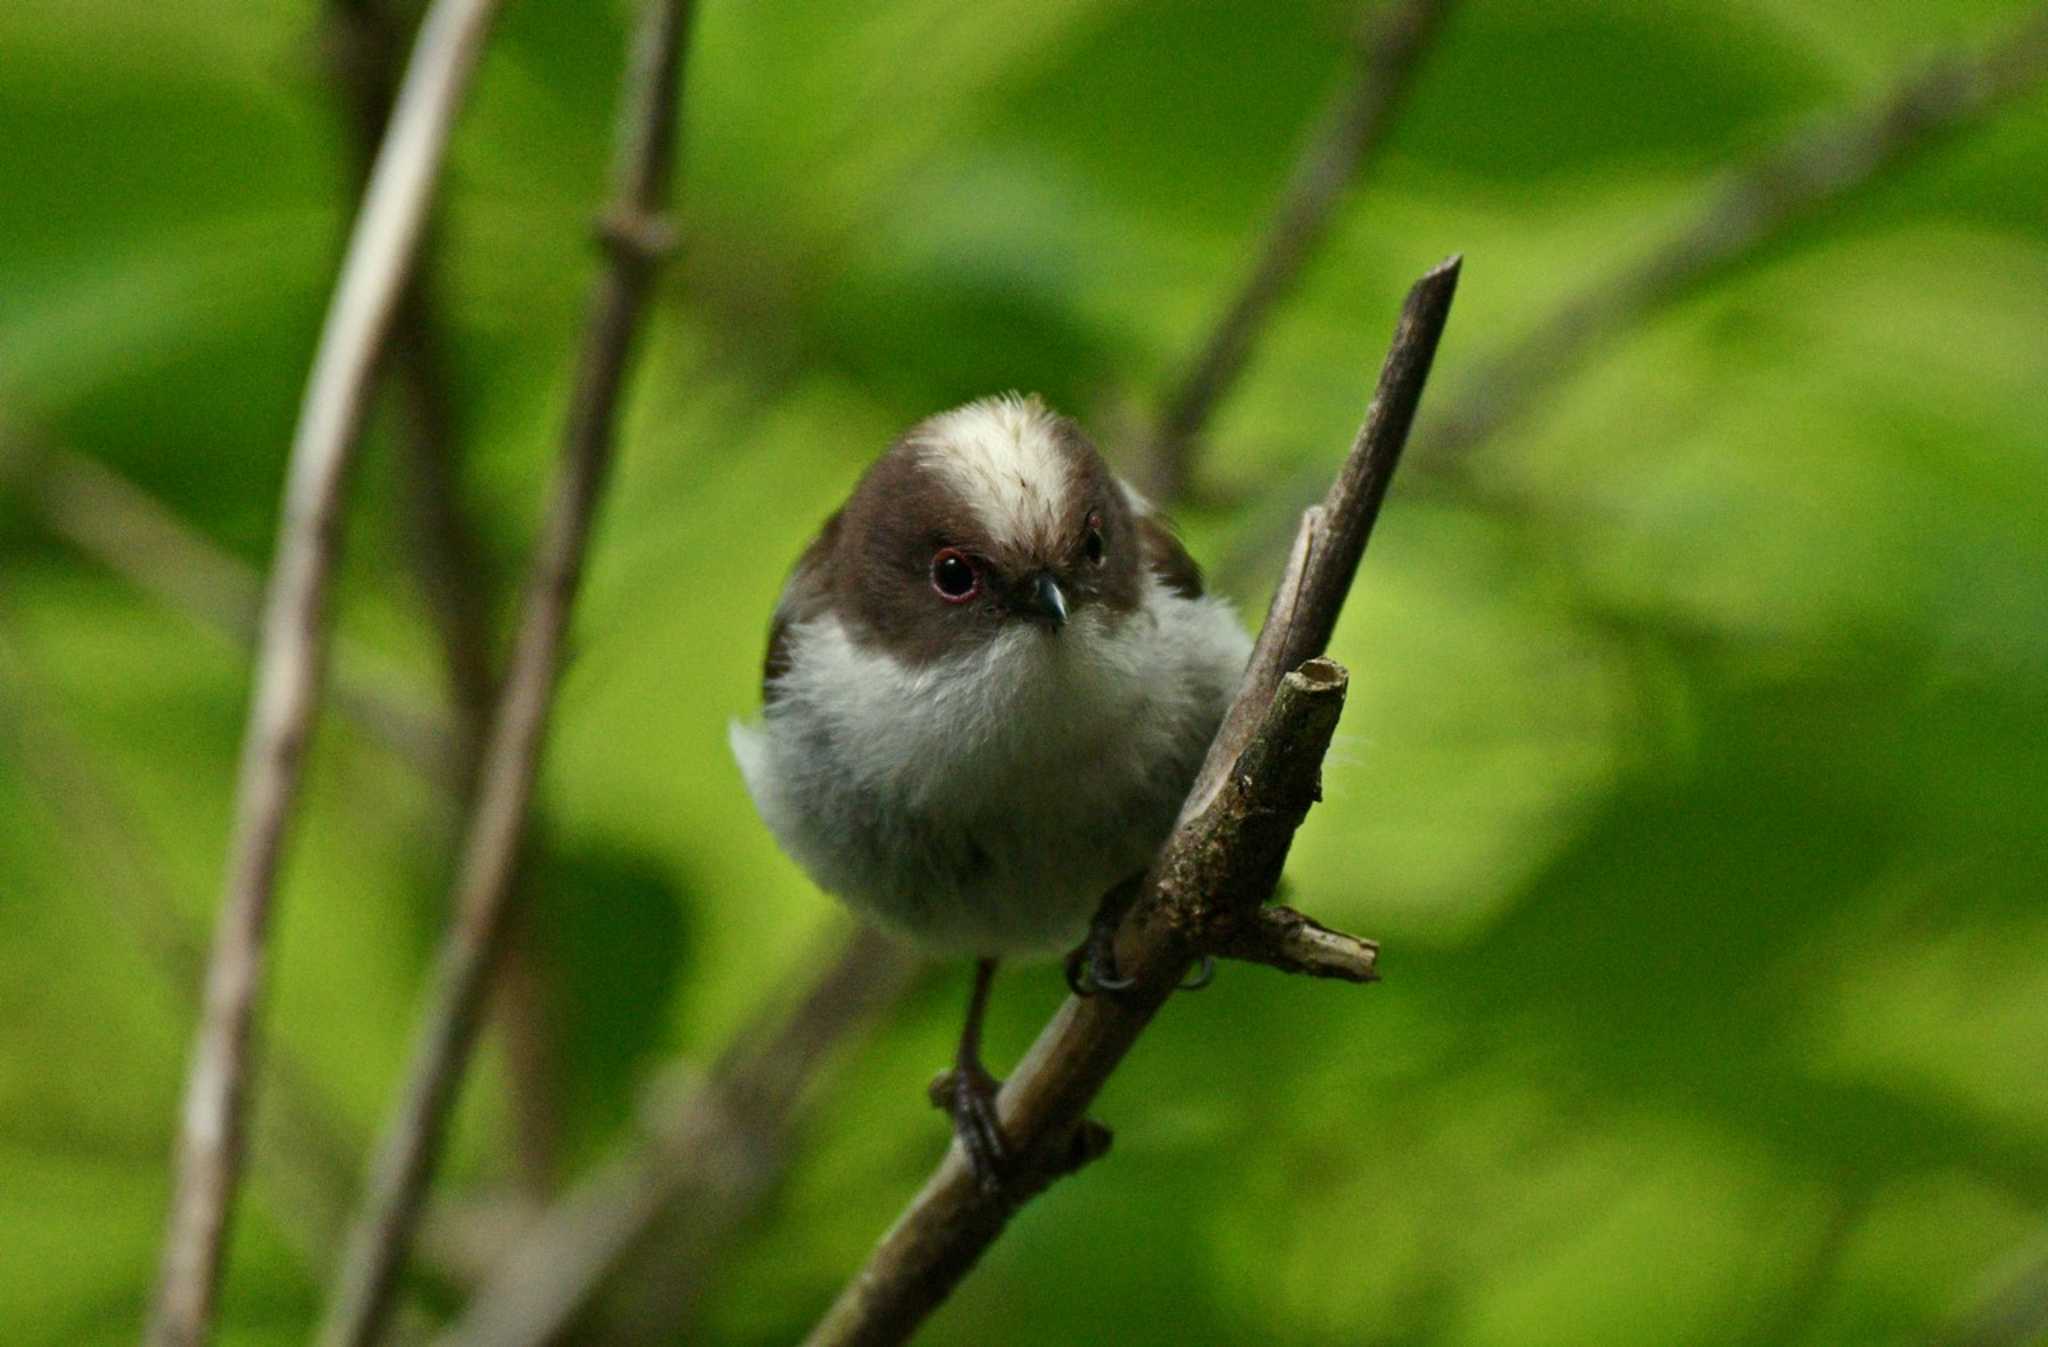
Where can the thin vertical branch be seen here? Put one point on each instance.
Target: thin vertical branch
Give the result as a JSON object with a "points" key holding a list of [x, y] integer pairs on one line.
{"points": [[636, 235], [1204, 894], [449, 564], [1387, 51], [454, 579], [365, 45], [292, 660]]}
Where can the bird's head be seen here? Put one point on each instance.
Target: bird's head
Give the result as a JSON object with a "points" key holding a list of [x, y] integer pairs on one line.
{"points": [[995, 516]]}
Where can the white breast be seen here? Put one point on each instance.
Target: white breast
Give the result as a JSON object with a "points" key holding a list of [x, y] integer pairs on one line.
{"points": [[986, 802]]}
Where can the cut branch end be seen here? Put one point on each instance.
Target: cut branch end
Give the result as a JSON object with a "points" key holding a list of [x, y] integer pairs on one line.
{"points": [[1280, 937]]}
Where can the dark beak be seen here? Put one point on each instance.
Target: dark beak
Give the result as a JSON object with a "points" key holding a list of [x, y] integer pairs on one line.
{"points": [[1044, 600]]}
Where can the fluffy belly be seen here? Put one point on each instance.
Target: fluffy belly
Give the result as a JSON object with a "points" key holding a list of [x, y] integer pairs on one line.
{"points": [[953, 876], [1002, 886], [985, 806]]}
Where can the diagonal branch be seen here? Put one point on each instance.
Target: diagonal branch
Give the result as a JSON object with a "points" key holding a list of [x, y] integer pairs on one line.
{"points": [[636, 236], [1204, 893], [292, 661], [1332, 538], [1387, 50]]}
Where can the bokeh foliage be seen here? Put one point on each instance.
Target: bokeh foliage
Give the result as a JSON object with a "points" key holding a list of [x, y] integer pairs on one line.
{"points": [[1696, 790]]}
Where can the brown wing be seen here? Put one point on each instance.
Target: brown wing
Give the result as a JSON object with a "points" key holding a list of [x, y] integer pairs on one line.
{"points": [[1166, 558], [804, 595]]}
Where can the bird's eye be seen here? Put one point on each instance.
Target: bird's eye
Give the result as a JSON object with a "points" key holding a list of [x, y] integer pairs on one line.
{"points": [[953, 575], [1093, 545]]}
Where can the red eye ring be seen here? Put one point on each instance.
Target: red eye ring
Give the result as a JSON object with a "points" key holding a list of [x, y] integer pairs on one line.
{"points": [[954, 577]]}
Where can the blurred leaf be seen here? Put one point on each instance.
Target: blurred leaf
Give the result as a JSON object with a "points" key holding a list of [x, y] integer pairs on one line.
{"points": [[607, 931]]}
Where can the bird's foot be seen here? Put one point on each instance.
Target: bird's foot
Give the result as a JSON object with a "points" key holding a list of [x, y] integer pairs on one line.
{"points": [[1091, 965], [967, 1094]]}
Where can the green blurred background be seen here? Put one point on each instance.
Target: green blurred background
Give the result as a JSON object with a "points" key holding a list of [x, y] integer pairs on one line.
{"points": [[1693, 775]]}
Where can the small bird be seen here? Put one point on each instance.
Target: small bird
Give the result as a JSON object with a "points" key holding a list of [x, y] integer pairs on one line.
{"points": [[990, 681]]}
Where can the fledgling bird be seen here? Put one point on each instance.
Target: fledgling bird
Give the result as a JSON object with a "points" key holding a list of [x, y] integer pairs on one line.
{"points": [[989, 683]]}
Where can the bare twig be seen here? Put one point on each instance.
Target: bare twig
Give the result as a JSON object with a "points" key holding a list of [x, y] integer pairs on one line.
{"points": [[131, 533], [292, 658], [706, 1162], [635, 234], [1386, 52], [1204, 893], [365, 43], [1332, 538], [1282, 938], [453, 577]]}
